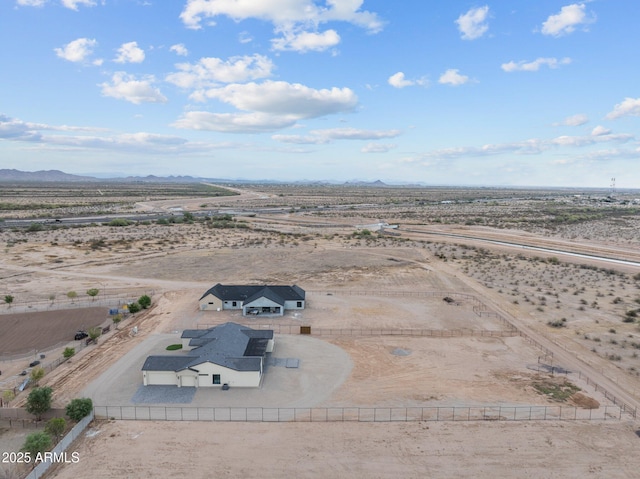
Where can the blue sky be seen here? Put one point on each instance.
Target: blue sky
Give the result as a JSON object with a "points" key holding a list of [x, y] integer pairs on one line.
{"points": [[528, 93]]}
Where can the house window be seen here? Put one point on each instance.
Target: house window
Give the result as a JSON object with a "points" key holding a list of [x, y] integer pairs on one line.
{"points": [[235, 303], [299, 304], [216, 379]]}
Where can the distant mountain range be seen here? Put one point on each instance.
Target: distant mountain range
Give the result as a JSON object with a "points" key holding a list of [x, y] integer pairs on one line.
{"points": [[13, 175]]}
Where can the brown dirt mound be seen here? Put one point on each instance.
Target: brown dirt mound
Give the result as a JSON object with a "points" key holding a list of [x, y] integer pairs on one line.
{"points": [[583, 401]]}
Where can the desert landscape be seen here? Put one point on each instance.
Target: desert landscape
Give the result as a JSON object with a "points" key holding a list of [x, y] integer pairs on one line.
{"points": [[479, 298]]}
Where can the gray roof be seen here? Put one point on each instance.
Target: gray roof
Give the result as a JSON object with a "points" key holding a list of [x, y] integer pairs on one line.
{"points": [[244, 292], [230, 345]]}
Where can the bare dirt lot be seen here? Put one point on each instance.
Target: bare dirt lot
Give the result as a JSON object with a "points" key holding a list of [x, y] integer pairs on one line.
{"points": [[531, 450], [314, 243], [26, 331]]}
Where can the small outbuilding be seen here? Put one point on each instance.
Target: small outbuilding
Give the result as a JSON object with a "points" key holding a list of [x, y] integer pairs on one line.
{"points": [[229, 354], [253, 299]]}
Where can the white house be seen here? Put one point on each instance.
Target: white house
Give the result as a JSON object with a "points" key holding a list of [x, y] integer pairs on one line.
{"points": [[229, 354], [253, 299]]}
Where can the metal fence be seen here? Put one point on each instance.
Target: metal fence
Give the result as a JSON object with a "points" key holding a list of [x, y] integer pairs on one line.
{"points": [[358, 414], [337, 332], [20, 418]]}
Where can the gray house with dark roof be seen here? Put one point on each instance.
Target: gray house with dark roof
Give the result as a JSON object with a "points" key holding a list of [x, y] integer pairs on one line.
{"points": [[229, 354], [253, 299]]}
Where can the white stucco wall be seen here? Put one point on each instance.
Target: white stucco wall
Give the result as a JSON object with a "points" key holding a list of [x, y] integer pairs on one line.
{"points": [[210, 302], [249, 379]]}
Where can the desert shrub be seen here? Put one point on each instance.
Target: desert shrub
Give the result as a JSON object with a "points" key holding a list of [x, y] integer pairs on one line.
{"points": [[134, 308], [144, 301], [37, 442], [68, 352], [558, 323], [79, 408]]}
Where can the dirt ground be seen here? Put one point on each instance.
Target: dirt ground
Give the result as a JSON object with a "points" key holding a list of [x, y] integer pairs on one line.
{"points": [[26, 331], [179, 262], [473, 450]]}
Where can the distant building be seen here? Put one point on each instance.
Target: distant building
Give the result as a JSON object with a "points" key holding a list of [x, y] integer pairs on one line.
{"points": [[253, 299], [229, 354]]}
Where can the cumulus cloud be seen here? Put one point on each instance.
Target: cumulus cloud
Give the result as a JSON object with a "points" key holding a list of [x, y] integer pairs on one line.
{"points": [[210, 71], [130, 53], [576, 120], [398, 80], [76, 50], [127, 87], [453, 77], [600, 130], [306, 41], [378, 147], [535, 65], [566, 21], [295, 21], [73, 4], [473, 24], [283, 98], [282, 12], [179, 49], [317, 137], [628, 107], [268, 106]]}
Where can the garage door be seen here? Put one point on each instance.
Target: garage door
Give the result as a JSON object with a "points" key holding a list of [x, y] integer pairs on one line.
{"points": [[161, 378], [188, 381]]}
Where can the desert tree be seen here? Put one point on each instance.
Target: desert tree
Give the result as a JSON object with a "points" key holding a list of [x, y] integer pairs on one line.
{"points": [[68, 352], [8, 299], [72, 295], [134, 308], [8, 396], [94, 333], [93, 292], [39, 401], [117, 318], [36, 375], [55, 427], [37, 443]]}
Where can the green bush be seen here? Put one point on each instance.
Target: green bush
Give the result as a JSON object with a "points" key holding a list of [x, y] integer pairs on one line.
{"points": [[79, 408], [37, 442], [174, 347], [134, 308], [144, 301], [68, 352]]}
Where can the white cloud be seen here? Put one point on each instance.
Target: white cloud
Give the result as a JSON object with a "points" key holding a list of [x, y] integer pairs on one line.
{"points": [[282, 13], [270, 106], [31, 3], [535, 65], [77, 50], [453, 77], [317, 137], [531, 146], [576, 120], [179, 49], [283, 98], [245, 37], [398, 80], [306, 41], [378, 147], [473, 24], [73, 4], [129, 53], [234, 122], [127, 87], [209, 71], [628, 107], [566, 20], [600, 130]]}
